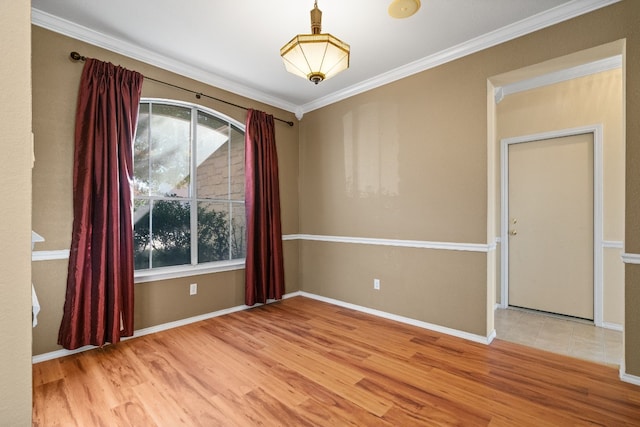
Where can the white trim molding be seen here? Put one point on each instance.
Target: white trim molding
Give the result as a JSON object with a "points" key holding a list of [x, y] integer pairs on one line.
{"points": [[153, 329], [421, 244], [613, 326], [93, 37], [564, 75], [183, 271], [176, 272], [50, 255], [537, 22], [612, 244], [286, 237], [407, 320], [170, 325], [598, 203], [631, 258], [628, 378], [35, 238], [157, 274]]}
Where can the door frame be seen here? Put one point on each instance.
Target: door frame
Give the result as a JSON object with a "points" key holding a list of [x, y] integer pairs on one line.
{"points": [[596, 131]]}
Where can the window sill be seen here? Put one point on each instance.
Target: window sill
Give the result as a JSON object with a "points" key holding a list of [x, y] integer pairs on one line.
{"points": [[166, 273]]}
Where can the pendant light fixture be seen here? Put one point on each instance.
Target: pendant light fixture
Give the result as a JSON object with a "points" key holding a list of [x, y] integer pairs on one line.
{"points": [[315, 56]]}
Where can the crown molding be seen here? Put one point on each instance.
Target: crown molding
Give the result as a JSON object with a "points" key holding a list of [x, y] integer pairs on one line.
{"points": [[87, 35], [537, 22], [584, 70]]}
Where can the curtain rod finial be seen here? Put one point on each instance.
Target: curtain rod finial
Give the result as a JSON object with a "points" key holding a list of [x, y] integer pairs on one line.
{"points": [[76, 56]]}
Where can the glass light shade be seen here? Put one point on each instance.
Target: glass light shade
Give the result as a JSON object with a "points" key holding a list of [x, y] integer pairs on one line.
{"points": [[315, 57]]}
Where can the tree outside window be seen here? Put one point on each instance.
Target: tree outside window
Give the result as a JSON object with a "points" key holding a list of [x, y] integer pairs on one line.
{"points": [[188, 186]]}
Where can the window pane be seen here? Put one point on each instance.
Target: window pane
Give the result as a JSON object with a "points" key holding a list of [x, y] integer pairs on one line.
{"points": [[237, 164], [141, 153], [213, 231], [170, 150], [170, 233], [212, 157], [141, 237], [238, 231]]}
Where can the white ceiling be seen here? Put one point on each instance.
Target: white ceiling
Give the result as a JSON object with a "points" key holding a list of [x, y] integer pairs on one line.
{"points": [[235, 45]]}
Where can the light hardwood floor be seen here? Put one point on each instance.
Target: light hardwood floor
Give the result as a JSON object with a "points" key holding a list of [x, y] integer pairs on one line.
{"points": [[301, 362]]}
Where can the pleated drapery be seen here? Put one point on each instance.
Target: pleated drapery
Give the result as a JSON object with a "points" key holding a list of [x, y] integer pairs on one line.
{"points": [[264, 262], [99, 299]]}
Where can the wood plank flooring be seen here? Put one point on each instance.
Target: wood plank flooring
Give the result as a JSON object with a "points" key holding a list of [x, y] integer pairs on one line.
{"points": [[301, 362]]}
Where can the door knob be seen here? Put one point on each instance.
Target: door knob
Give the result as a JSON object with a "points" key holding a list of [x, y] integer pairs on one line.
{"points": [[513, 232]]}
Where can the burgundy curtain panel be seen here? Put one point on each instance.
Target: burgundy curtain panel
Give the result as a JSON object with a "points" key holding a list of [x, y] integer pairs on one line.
{"points": [[264, 274], [99, 300]]}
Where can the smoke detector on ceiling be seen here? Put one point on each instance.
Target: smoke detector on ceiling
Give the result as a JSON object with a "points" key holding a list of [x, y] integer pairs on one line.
{"points": [[403, 8]]}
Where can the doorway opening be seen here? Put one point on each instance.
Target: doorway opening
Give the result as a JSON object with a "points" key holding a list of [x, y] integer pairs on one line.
{"points": [[559, 334], [570, 93]]}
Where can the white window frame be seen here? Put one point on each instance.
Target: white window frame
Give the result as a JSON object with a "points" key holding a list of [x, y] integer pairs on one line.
{"points": [[171, 272]]}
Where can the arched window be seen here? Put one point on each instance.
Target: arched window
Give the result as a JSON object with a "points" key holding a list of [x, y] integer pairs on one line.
{"points": [[188, 187]]}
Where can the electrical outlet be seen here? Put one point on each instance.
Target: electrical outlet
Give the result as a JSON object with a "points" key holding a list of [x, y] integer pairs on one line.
{"points": [[193, 289], [376, 284]]}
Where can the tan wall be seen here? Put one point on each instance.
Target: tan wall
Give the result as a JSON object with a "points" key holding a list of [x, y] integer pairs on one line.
{"points": [[391, 164], [418, 148], [632, 319], [421, 284], [590, 100], [427, 134], [15, 213], [631, 16], [55, 84]]}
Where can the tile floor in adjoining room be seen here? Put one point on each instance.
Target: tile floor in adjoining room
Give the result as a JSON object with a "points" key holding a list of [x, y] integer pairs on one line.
{"points": [[560, 335]]}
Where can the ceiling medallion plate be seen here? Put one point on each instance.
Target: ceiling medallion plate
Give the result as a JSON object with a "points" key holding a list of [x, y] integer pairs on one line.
{"points": [[403, 8]]}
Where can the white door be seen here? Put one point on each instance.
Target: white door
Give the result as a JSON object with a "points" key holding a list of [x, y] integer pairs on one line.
{"points": [[550, 214]]}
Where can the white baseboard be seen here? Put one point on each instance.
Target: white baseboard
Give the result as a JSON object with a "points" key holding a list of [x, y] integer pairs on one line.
{"points": [[628, 378], [59, 353], [425, 325], [153, 329], [170, 325], [632, 379], [613, 326]]}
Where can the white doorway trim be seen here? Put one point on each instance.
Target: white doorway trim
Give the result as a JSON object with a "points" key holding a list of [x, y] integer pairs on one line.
{"points": [[596, 130]]}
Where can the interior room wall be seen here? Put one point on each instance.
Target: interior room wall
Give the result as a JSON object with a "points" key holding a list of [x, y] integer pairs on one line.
{"points": [[589, 100], [55, 85], [15, 214], [408, 161], [399, 162]]}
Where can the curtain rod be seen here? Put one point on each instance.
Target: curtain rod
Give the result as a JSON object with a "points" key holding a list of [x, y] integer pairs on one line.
{"points": [[77, 57]]}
